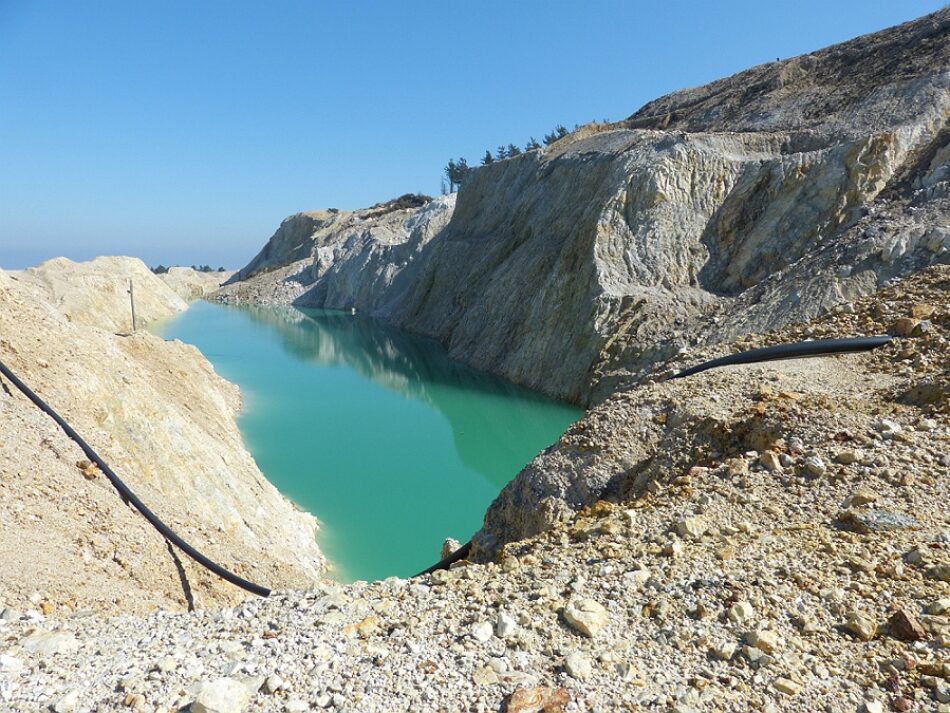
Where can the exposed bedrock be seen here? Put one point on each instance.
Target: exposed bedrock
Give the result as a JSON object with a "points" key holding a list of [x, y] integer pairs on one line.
{"points": [[755, 202], [668, 229]]}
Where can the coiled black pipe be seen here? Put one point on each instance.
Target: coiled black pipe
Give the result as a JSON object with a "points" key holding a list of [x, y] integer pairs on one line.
{"points": [[817, 347], [129, 496]]}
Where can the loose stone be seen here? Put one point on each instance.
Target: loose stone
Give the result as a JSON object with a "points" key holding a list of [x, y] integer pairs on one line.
{"points": [[482, 631], [536, 700], [862, 626], [48, 643], [578, 665], [587, 616], [692, 528], [505, 625], [905, 626], [223, 695], [787, 686], [740, 612], [815, 465]]}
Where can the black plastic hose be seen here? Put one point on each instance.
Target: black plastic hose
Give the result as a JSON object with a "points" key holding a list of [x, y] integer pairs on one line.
{"points": [[460, 553], [129, 496], [817, 347]]}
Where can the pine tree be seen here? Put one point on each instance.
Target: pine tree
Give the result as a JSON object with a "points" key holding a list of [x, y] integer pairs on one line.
{"points": [[487, 158], [513, 151], [451, 171], [532, 144], [558, 133]]}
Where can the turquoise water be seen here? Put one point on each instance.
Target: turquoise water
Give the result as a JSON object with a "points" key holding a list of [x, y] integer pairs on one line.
{"points": [[378, 433]]}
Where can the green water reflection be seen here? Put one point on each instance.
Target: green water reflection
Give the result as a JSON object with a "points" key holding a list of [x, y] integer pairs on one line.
{"points": [[389, 443]]}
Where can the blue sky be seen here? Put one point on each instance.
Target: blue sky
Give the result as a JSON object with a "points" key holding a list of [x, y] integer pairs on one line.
{"points": [[183, 131]]}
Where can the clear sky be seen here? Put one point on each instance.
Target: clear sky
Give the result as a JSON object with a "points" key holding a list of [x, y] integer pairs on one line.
{"points": [[183, 131]]}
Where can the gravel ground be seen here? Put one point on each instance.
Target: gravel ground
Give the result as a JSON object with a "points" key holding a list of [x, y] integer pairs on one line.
{"points": [[810, 573]]}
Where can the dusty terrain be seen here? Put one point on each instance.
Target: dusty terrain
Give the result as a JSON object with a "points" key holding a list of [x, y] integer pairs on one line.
{"points": [[767, 537], [158, 413], [787, 547]]}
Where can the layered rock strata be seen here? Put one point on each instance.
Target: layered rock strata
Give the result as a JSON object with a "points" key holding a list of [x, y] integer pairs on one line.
{"points": [[755, 201]]}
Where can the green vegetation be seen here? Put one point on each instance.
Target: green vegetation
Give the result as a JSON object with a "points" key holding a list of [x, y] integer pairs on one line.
{"points": [[457, 169]]}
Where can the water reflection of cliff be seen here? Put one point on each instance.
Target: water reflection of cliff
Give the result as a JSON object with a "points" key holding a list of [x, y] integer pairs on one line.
{"points": [[418, 368]]}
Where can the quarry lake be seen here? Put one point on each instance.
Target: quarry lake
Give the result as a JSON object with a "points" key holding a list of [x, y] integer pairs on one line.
{"points": [[388, 442]]}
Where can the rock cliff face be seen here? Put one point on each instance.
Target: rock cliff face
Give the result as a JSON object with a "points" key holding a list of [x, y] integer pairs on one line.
{"points": [[754, 201], [158, 413]]}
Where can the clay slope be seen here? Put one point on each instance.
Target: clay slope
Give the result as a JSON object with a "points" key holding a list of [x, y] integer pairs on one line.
{"points": [[756, 201], [158, 413]]}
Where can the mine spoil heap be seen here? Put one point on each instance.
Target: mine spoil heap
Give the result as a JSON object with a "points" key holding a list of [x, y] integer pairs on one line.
{"points": [[765, 537]]}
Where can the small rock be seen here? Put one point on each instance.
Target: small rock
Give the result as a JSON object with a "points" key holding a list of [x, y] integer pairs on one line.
{"points": [[847, 457], [449, 547], [922, 310], [725, 650], [787, 686], [9, 614], [940, 606], [223, 695], [673, 549], [578, 666], [135, 701], [296, 705], [272, 684], [166, 664], [764, 640], [482, 631], [877, 520], [873, 707], [770, 460], [10, 664], [860, 564], [903, 326], [756, 656], [441, 577], [860, 497], [740, 612], [940, 572], [47, 643], [587, 616], [505, 625], [862, 626], [904, 626], [807, 625], [692, 528], [536, 700], [889, 428], [67, 704], [485, 676], [815, 465], [627, 672]]}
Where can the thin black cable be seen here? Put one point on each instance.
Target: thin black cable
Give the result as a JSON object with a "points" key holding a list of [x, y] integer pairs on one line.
{"points": [[817, 347], [129, 496]]}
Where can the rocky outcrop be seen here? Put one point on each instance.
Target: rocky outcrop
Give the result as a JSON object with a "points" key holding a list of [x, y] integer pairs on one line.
{"points": [[755, 201], [162, 418]]}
